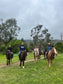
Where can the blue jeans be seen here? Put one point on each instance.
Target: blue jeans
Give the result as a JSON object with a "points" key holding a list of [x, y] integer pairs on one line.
{"points": [[19, 54]]}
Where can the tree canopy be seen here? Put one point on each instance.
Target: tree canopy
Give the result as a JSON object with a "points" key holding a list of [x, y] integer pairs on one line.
{"points": [[9, 30], [40, 35]]}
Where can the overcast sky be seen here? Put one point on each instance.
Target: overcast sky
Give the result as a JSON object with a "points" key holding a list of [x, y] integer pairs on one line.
{"points": [[30, 13]]}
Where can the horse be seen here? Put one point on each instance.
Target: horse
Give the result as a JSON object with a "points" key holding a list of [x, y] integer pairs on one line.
{"points": [[45, 54], [51, 55], [41, 52], [9, 56], [36, 55], [23, 57]]}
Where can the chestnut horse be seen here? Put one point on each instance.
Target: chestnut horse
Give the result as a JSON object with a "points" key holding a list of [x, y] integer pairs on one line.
{"points": [[9, 56], [23, 57], [51, 55], [36, 55]]}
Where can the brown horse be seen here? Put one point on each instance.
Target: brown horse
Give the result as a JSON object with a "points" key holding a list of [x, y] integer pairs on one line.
{"points": [[36, 55], [51, 55], [9, 56], [23, 57]]}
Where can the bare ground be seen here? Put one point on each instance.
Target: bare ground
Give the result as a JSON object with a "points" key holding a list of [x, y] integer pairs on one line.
{"points": [[4, 65]]}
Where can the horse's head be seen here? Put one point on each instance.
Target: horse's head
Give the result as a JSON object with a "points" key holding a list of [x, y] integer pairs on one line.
{"points": [[54, 51], [7, 51]]}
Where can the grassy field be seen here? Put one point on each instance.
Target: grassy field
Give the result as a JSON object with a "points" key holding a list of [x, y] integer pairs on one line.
{"points": [[38, 73], [15, 58]]}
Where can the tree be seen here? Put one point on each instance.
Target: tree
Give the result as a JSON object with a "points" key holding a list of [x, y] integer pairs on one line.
{"points": [[46, 35], [9, 30], [59, 46], [22, 40], [40, 37], [35, 33]]}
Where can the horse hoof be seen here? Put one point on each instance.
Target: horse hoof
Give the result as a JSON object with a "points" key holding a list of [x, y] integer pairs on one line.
{"points": [[23, 67], [19, 67]]}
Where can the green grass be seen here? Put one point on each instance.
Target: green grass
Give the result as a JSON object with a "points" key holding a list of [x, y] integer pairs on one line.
{"points": [[34, 73], [15, 58]]}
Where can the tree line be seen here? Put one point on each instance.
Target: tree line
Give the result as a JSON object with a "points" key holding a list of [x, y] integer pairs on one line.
{"points": [[9, 30]]}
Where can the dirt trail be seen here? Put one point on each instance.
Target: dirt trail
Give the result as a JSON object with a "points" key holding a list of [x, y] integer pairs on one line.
{"points": [[4, 65]]}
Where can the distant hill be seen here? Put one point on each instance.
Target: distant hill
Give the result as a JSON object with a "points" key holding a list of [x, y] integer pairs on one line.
{"points": [[56, 40], [53, 41], [28, 41]]}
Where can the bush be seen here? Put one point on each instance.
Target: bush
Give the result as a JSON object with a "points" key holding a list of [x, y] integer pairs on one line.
{"points": [[59, 46], [3, 49], [15, 45]]}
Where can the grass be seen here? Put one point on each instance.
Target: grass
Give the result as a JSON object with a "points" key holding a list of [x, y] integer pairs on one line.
{"points": [[38, 73], [15, 58]]}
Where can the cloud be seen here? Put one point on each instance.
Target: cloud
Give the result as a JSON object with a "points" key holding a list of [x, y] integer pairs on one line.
{"points": [[30, 13]]}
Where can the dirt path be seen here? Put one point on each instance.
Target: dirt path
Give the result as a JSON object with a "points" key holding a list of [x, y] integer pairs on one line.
{"points": [[4, 65]]}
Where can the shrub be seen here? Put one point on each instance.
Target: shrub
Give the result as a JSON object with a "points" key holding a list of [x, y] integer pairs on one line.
{"points": [[15, 45], [59, 46]]}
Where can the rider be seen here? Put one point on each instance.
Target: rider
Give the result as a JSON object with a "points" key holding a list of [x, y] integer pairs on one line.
{"points": [[35, 49], [49, 47], [22, 48], [9, 48]]}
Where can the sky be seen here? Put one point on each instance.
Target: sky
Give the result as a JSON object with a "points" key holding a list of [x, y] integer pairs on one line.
{"points": [[30, 13]]}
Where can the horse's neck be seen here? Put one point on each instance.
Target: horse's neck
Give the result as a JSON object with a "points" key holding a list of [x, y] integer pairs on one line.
{"points": [[37, 51], [52, 52]]}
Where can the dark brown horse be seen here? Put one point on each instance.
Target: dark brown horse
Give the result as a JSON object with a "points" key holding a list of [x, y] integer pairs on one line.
{"points": [[51, 55], [23, 57], [41, 52], [9, 56], [45, 54]]}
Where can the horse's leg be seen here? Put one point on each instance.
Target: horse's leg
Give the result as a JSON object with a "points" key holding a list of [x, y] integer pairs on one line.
{"points": [[44, 55], [49, 63], [34, 58], [37, 58], [23, 64], [20, 64], [7, 61], [11, 61]]}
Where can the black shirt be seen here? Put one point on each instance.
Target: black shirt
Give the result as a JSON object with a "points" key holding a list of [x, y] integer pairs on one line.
{"points": [[10, 49]]}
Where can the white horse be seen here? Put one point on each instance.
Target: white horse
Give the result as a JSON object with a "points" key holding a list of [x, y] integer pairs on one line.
{"points": [[51, 55], [36, 54]]}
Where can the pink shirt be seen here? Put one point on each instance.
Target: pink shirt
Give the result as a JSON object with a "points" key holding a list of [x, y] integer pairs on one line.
{"points": [[35, 49]]}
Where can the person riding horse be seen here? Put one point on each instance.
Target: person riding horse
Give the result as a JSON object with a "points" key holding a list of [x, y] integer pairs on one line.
{"points": [[36, 53], [49, 47], [22, 54], [9, 54], [51, 55], [10, 49], [22, 48]]}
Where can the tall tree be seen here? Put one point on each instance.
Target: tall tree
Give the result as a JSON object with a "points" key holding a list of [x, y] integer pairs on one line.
{"points": [[40, 36], [9, 30], [35, 33], [46, 35]]}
